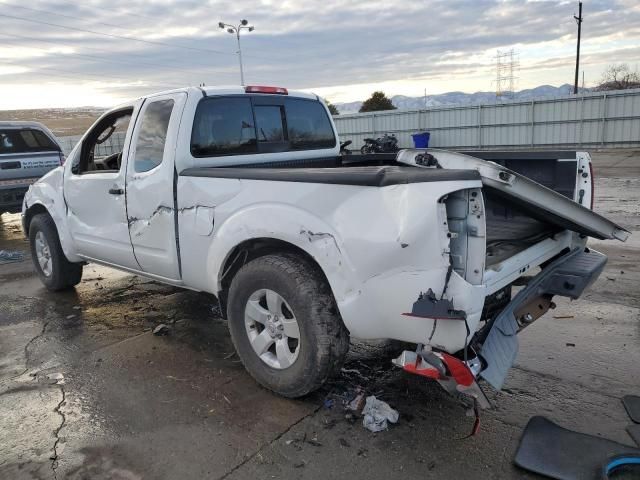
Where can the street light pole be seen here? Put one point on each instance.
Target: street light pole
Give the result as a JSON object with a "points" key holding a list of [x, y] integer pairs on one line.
{"points": [[236, 29]]}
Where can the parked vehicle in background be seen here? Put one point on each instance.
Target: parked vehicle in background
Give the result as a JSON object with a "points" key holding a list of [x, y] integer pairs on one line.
{"points": [[28, 150], [388, 143], [242, 192]]}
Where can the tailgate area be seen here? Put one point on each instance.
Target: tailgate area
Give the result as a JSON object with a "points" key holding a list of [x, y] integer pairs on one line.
{"points": [[568, 276]]}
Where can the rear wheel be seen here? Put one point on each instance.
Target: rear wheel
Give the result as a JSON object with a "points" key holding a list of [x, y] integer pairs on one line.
{"points": [[285, 324], [52, 266]]}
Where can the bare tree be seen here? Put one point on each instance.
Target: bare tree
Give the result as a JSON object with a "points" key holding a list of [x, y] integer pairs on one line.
{"points": [[619, 77]]}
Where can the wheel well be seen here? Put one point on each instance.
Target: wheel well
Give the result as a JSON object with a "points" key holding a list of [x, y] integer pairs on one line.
{"points": [[251, 249], [31, 212]]}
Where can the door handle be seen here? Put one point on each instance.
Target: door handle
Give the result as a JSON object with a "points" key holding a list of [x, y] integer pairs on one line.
{"points": [[116, 191]]}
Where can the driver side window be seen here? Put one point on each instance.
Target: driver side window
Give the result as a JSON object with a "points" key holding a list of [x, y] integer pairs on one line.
{"points": [[101, 149]]}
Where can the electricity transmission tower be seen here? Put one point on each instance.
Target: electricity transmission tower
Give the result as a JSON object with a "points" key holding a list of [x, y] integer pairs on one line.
{"points": [[507, 63]]}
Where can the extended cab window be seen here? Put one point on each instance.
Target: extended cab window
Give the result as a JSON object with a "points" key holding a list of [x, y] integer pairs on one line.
{"points": [[269, 120], [223, 126], [152, 135]]}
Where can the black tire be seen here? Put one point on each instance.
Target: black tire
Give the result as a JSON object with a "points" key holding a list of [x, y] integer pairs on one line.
{"points": [[324, 340], [64, 274], [364, 150]]}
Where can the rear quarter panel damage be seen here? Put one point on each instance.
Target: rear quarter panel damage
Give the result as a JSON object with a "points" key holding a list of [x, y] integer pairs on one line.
{"points": [[378, 247]]}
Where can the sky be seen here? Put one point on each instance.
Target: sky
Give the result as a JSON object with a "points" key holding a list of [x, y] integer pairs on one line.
{"points": [[64, 53]]}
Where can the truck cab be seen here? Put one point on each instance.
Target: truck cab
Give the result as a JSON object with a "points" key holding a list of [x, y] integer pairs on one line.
{"points": [[242, 192]]}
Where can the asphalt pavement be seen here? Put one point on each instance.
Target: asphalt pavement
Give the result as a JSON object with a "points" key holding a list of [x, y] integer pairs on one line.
{"points": [[88, 392]]}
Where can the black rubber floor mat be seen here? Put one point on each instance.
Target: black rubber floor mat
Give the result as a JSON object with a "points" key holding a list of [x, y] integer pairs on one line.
{"points": [[553, 451], [632, 405], [634, 431]]}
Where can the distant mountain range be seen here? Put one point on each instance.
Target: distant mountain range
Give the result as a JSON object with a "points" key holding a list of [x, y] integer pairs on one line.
{"points": [[461, 98]]}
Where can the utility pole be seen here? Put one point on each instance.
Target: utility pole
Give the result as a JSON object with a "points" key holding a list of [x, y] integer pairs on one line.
{"points": [[579, 21], [233, 29]]}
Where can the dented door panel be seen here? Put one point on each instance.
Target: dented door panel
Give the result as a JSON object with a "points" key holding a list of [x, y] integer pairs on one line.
{"points": [[151, 207]]}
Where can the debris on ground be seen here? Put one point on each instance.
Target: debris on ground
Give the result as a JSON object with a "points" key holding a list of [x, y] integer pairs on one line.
{"points": [[161, 329], [569, 344], [55, 378], [563, 316], [356, 404], [313, 441], [377, 413], [9, 256]]}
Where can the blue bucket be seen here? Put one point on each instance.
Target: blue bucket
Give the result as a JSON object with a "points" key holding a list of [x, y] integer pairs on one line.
{"points": [[421, 140]]}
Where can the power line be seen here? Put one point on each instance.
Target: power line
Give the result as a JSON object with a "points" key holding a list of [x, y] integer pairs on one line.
{"points": [[98, 76], [102, 59], [49, 12], [58, 42], [113, 35], [124, 12]]}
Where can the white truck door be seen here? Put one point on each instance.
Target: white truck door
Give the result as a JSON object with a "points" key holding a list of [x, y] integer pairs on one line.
{"points": [[151, 205], [94, 193]]}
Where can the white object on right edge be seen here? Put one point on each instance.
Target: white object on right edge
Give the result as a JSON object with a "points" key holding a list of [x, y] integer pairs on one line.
{"points": [[377, 413]]}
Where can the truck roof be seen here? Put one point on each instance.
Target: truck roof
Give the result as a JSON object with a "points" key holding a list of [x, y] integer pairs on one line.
{"points": [[231, 90]]}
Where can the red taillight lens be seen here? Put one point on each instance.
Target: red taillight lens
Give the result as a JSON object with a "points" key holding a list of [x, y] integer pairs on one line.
{"points": [[593, 184], [263, 89], [62, 158]]}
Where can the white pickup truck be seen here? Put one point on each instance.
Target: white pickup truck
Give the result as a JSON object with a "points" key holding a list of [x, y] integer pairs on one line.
{"points": [[242, 192]]}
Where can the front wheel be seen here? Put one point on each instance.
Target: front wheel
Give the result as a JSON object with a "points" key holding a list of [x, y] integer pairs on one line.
{"points": [[365, 149], [52, 266], [285, 324]]}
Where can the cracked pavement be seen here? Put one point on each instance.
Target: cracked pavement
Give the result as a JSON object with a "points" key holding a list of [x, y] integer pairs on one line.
{"points": [[86, 391]]}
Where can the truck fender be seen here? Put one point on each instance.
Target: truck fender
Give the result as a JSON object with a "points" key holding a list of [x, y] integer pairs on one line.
{"points": [[46, 194]]}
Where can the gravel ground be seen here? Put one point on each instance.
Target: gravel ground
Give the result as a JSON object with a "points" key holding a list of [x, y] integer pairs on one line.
{"points": [[87, 391]]}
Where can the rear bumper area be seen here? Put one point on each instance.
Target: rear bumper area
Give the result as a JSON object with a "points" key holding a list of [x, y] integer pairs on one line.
{"points": [[568, 276]]}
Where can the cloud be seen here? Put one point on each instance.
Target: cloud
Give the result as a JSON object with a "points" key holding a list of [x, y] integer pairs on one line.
{"points": [[336, 46]]}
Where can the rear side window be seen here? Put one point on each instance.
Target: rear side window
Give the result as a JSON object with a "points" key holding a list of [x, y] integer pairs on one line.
{"points": [[270, 122], [223, 126], [234, 126], [27, 140], [152, 135], [308, 124]]}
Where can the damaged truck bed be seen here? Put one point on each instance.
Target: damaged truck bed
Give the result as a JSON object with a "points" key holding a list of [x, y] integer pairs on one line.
{"points": [[304, 247]]}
